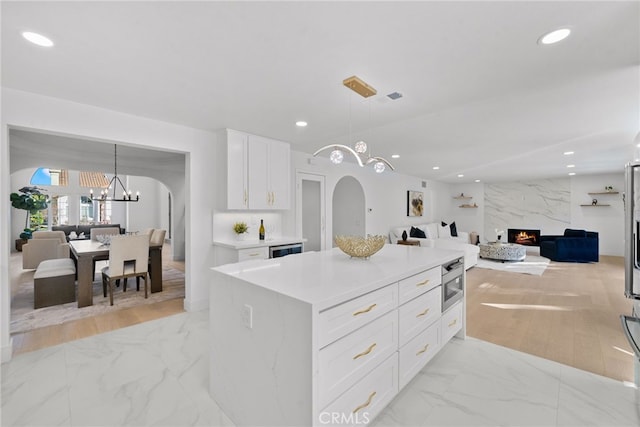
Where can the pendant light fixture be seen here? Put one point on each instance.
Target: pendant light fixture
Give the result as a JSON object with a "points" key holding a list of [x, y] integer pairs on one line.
{"points": [[359, 151], [113, 184]]}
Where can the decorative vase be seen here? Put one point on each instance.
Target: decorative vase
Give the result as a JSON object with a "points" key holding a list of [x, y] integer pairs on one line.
{"points": [[404, 235]]}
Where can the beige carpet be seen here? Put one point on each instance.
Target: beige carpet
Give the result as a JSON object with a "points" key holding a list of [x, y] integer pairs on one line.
{"points": [[25, 318]]}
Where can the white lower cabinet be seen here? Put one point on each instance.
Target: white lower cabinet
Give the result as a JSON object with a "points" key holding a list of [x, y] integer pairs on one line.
{"points": [[417, 352], [451, 322], [349, 359], [253, 253], [419, 313], [364, 400]]}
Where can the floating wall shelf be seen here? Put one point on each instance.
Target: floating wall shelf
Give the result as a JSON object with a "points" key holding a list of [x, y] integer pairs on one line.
{"points": [[603, 192], [463, 197], [595, 206]]}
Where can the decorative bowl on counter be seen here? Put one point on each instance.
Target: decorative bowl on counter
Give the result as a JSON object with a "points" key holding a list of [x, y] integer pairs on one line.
{"points": [[360, 247]]}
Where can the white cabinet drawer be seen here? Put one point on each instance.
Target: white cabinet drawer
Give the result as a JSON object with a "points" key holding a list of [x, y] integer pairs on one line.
{"points": [[419, 313], [253, 253], [451, 323], [361, 403], [417, 352], [344, 362], [419, 283], [338, 321]]}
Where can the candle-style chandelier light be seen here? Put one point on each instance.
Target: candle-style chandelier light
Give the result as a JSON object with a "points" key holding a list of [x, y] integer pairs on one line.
{"points": [[113, 185], [359, 151]]}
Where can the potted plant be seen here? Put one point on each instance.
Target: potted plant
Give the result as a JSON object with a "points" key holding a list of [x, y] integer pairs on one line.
{"points": [[32, 200], [240, 228]]}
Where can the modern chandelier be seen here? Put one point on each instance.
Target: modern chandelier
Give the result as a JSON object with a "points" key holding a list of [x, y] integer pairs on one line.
{"points": [[360, 148], [113, 184]]}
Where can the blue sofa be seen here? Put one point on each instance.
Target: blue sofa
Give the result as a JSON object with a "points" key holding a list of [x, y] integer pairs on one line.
{"points": [[573, 246]]}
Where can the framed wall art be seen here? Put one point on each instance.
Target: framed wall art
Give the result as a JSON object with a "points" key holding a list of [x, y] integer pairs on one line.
{"points": [[415, 203]]}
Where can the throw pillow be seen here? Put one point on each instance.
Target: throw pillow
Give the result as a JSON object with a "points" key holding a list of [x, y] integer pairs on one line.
{"points": [[431, 230], [454, 230], [417, 233], [444, 232]]}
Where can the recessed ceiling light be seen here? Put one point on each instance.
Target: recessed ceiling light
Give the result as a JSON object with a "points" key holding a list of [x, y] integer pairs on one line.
{"points": [[554, 36], [568, 153], [477, 180], [571, 166], [435, 168], [38, 39], [301, 123], [395, 156], [571, 173], [460, 175]]}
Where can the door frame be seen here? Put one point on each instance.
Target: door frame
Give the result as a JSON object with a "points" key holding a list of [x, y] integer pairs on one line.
{"points": [[308, 176]]}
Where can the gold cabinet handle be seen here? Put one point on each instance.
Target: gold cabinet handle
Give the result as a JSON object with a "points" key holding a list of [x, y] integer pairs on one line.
{"points": [[366, 310], [422, 313], [365, 404], [364, 353], [424, 282], [423, 350], [254, 254], [453, 323], [273, 197], [245, 197]]}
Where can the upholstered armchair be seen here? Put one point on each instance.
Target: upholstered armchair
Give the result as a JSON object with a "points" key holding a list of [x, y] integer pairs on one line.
{"points": [[573, 246], [42, 246]]}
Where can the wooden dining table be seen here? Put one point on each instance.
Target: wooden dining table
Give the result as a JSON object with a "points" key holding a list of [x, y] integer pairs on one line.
{"points": [[84, 251]]}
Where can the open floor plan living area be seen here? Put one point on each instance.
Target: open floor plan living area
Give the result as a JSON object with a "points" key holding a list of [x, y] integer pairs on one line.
{"points": [[310, 213]]}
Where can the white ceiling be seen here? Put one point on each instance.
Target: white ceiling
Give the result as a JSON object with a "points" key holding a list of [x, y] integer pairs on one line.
{"points": [[481, 97]]}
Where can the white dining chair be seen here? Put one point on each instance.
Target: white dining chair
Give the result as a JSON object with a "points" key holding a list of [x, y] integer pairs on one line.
{"points": [[128, 257]]}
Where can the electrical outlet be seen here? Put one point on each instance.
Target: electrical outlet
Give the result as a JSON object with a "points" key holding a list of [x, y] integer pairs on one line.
{"points": [[247, 316]]}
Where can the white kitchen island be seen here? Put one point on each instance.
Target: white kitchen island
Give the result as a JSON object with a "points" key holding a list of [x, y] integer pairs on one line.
{"points": [[320, 338]]}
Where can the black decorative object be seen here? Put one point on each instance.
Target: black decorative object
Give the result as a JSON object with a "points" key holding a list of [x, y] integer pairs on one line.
{"points": [[404, 235]]}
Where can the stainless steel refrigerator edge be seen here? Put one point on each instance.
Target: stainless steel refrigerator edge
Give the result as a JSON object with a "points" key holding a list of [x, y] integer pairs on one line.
{"points": [[631, 198]]}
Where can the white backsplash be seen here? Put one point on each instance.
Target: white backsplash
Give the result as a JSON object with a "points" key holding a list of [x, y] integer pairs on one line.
{"points": [[543, 204], [223, 224]]}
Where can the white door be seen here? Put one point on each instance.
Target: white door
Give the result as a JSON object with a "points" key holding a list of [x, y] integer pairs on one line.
{"points": [[279, 175], [258, 164], [310, 210]]}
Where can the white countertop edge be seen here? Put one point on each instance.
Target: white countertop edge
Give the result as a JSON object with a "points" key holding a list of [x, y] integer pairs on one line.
{"points": [[322, 301], [255, 243]]}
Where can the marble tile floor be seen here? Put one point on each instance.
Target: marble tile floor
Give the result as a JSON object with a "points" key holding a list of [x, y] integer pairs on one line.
{"points": [[156, 373]]}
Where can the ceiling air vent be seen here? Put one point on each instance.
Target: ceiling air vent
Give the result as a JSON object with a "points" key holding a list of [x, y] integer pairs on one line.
{"points": [[394, 95]]}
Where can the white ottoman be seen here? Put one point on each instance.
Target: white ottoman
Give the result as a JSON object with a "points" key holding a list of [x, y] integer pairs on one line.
{"points": [[503, 251], [54, 282]]}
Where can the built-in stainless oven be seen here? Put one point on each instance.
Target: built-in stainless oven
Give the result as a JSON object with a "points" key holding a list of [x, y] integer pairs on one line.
{"points": [[452, 282], [284, 250]]}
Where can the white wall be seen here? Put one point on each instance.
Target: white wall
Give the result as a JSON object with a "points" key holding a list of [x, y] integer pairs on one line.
{"points": [[35, 112], [554, 206], [152, 209], [385, 195], [608, 221]]}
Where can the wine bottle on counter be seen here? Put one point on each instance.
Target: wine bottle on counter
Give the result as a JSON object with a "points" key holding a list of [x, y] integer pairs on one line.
{"points": [[261, 231]]}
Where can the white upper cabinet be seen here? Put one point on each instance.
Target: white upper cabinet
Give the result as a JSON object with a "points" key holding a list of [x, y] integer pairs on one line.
{"points": [[237, 191], [258, 172]]}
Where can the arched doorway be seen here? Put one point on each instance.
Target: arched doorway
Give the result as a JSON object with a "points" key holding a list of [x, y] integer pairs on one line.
{"points": [[348, 208]]}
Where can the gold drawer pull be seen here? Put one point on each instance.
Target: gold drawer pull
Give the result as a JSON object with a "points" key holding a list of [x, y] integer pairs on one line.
{"points": [[424, 282], [366, 310], [364, 353], [254, 254], [365, 404], [453, 323], [423, 350], [426, 310]]}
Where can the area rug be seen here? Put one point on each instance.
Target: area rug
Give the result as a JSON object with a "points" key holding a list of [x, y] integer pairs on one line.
{"points": [[532, 264], [25, 318]]}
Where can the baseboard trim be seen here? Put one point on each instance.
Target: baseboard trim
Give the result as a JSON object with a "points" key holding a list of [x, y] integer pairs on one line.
{"points": [[196, 305], [7, 351]]}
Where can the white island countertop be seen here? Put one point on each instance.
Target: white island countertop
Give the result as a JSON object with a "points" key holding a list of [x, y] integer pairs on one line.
{"points": [[255, 243], [327, 278]]}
